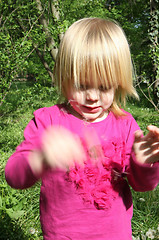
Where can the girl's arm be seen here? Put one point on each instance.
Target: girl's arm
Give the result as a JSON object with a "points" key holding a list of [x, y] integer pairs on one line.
{"points": [[45, 146], [143, 170], [18, 171]]}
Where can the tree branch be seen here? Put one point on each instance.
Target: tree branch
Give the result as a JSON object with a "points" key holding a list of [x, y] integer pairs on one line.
{"points": [[49, 40], [55, 13], [31, 27], [149, 98], [45, 63], [54, 9], [40, 55]]}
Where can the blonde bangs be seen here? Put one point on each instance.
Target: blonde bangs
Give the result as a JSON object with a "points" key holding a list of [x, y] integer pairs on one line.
{"points": [[95, 52]]}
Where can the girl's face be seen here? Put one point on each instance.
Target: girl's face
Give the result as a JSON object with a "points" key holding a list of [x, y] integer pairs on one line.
{"points": [[89, 103]]}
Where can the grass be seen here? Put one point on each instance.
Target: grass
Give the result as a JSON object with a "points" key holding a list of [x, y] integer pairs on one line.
{"points": [[19, 209]]}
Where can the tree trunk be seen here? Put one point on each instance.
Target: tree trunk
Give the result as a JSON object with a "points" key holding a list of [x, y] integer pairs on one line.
{"points": [[153, 32], [49, 39]]}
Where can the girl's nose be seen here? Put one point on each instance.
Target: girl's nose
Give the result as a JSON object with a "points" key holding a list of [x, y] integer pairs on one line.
{"points": [[92, 94]]}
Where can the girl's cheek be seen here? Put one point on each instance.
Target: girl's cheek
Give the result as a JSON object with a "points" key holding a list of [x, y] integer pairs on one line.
{"points": [[80, 96]]}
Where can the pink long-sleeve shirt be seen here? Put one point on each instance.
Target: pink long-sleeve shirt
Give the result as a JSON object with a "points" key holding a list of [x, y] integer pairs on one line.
{"points": [[91, 202]]}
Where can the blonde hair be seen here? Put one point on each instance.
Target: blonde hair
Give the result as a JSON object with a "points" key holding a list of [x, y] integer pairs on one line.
{"points": [[96, 51]]}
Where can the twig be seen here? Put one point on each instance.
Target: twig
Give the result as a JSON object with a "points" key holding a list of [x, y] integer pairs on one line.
{"points": [[9, 16], [31, 29], [149, 98]]}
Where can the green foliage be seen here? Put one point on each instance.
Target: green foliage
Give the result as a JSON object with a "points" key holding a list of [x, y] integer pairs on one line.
{"points": [[19, 209], [21, 33], [146, 212]]}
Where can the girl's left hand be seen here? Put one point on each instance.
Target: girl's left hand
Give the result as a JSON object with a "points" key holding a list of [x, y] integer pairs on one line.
{"points": [[146, 148]]}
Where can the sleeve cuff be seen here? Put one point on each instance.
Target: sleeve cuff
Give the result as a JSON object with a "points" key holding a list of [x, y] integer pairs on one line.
{"points": [[143, 177]]}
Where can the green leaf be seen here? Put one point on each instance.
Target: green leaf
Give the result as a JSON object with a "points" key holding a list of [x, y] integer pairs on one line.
{"points": [[14, 214], [0, 202]]}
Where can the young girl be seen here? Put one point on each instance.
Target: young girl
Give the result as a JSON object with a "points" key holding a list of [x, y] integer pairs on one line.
{"points": [[87, 150]]}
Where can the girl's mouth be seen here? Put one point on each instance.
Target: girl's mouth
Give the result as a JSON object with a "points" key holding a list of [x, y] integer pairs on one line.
{"points": [[91, 109]]}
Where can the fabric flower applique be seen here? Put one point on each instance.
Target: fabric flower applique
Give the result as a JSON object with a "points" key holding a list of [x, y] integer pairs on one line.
{"points": [[98, 181]]}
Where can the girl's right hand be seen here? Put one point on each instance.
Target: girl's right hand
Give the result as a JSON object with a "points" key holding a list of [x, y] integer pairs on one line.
{"points": [[61, 148]]}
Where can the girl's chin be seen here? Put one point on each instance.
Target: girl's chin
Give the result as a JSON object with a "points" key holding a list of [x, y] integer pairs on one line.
{"points": [[94, 117]]}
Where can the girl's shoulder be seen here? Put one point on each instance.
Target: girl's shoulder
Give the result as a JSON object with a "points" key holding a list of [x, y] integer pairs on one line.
{"points": [[43, 118], [46, 111], [126, 117], [49, 115], [126, 121]]}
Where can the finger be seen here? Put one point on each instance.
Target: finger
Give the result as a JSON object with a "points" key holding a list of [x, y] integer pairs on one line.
{"points": [[150, 150], [154, 146], [154, 131], [73, 150], [153, 158], [153, 128], [152, 135], [138, 135], [62, 148]]}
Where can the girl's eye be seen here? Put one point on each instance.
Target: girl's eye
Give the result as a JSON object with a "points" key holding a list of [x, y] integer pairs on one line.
{"points": [[102, 88], [82, 87]]}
